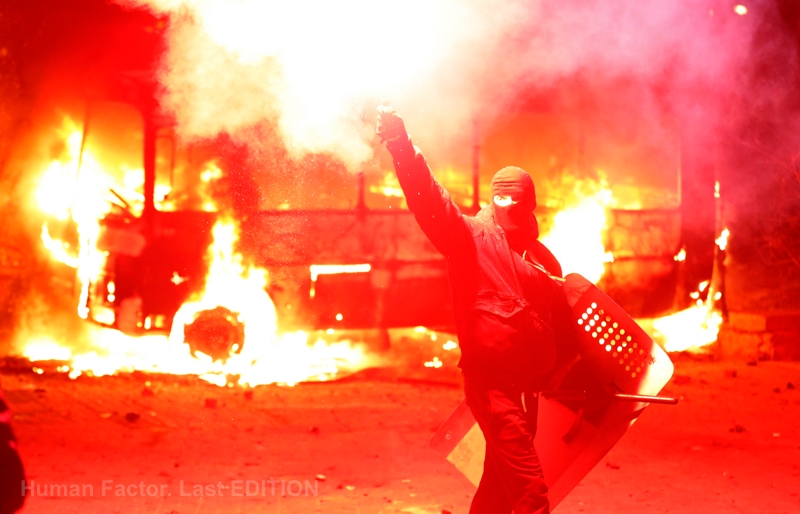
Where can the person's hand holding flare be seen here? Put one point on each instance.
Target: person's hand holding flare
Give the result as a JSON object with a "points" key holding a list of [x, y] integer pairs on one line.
{"points": [[389, 125]]}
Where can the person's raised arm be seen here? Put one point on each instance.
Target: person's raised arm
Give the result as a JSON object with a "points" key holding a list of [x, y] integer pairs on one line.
{"points": [[437, 215]]}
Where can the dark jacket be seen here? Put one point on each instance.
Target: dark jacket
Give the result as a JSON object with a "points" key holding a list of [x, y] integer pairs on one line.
{"points": [[508, 313]]}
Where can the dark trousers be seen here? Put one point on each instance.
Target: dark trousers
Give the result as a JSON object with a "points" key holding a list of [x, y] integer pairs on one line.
{"points": [[512, 475]]}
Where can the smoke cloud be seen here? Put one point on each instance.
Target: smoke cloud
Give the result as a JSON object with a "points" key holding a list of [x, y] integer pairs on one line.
{"points": [[311, 67]]}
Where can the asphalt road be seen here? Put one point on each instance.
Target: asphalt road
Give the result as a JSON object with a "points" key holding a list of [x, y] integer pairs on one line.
{"points": [[164, 444]]}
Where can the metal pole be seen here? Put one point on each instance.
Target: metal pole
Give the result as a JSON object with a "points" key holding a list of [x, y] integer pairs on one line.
{"points": [[476, 166]]}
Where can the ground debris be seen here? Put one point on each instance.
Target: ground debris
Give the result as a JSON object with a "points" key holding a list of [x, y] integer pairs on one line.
{"points": [[132, 417], [183, 443]]}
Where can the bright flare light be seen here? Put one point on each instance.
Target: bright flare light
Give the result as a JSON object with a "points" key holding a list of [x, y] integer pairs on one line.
{"points": [[308, 65], [65, 192]]}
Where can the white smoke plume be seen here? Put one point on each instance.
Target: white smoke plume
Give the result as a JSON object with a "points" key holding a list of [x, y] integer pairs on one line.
{"points": [[312, 66]]}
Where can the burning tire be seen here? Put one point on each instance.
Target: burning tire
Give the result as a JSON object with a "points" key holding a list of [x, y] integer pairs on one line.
{"points": [[217, 333]]}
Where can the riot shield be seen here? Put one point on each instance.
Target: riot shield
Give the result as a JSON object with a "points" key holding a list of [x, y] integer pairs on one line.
{"points": [[606, 389]]}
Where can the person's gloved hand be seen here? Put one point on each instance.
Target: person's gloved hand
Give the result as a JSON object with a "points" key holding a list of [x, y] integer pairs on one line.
{"points": [[389, 125]]}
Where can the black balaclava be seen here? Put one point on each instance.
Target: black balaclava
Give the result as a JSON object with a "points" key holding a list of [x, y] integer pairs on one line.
{"points": [[517, 219]]}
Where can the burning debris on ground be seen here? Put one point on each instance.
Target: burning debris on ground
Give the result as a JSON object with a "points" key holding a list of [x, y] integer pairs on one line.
{"points": [[207, 258]]}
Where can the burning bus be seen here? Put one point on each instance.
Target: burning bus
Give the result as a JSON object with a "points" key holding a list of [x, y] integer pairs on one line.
{"points": [[161, 231]]}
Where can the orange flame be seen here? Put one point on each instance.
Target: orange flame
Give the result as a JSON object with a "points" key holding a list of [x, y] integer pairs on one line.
{"points": [[722, 240], [578, 229], [274, 61], [698, 326], [388, 186], [67, 192], [265, 357], [690, 329]]}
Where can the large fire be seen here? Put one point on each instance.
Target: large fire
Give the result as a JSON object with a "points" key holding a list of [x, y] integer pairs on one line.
{"points": [[577, 234], [77, 188], [576, 237], [78, 191]]}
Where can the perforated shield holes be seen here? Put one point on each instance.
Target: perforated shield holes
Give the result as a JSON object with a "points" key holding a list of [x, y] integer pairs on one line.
{"points": [[644, 371], [613, 337]]}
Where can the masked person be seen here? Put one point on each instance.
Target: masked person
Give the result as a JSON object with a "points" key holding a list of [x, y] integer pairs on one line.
{"points": [[509, 315]]}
